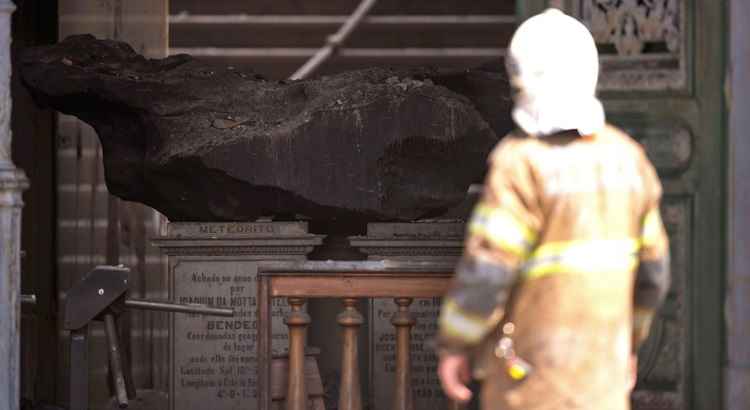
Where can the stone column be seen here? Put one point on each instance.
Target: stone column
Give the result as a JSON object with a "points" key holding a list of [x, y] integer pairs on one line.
{"points": [[737, 306], [12, 183]]}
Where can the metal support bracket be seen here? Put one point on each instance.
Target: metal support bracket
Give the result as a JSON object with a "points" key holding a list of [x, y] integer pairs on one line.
{"points": [[101, 295]]}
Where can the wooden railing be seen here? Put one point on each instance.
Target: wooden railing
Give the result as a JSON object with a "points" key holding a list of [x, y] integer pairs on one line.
{"points": [[402, 281]]}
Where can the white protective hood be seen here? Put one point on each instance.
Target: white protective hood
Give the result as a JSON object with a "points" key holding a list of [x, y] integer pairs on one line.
{"points": [[553, 65]]}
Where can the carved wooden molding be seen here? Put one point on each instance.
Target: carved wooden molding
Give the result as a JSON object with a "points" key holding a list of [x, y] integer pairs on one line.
{"points": [[663, 360], [642, 43], [668, 141]]}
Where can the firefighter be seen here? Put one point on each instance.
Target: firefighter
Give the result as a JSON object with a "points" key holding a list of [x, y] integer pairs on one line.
{"points": [[566, 258]]}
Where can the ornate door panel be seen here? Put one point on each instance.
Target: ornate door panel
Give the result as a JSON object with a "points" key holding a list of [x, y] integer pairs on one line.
{"points": [[662, 66]]}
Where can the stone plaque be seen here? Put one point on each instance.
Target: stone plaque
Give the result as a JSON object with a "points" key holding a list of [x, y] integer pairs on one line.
{"points": [[213, 360], [433, 241], [425, 383], [236, 230]]}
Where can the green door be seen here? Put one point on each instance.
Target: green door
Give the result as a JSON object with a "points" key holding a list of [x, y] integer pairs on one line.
{"points": [[662, 71]]}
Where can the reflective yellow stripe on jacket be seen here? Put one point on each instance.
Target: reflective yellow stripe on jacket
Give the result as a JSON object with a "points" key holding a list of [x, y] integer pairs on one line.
{"points": [[651, 228], [583, 257], [502, 229]]}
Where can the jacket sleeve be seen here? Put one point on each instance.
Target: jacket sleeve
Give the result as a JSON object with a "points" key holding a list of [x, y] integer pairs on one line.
{"points": [[500, 234], [653, 275]]}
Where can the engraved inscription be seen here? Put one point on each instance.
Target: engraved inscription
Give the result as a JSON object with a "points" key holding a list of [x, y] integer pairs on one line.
{"points": [[237, 229], [428, 241], [425, 383], [214, 358], [225, 230]]}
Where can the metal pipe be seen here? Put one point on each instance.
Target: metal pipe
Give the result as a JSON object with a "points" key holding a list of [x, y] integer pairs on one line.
{"points": [[175, 307], [334, 41], [115, 360], [79, 373]]}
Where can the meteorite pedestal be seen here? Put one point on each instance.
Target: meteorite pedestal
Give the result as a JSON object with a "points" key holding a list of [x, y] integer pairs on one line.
{"points": [[213, 361], [423, 241]]}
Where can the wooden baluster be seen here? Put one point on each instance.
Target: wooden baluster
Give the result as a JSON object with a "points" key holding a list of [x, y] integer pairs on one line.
{"points": [[402, 320], [297, 321], [350, 396]]}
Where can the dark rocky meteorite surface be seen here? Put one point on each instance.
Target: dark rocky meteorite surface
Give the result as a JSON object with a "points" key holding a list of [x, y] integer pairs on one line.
{"points": [[206, 143]]}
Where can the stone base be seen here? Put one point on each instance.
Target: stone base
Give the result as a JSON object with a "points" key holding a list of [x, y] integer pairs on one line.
{"points": [[213, 360]]}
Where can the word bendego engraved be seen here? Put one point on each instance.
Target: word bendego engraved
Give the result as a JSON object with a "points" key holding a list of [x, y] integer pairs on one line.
{"points": [[213, 361]]}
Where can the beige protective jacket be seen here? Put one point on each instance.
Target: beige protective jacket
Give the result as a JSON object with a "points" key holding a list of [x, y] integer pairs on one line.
{"points": [[567, 244]]}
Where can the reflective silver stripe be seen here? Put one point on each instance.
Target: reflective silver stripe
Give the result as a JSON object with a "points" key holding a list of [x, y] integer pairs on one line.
{"points": [[459, 325]]}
